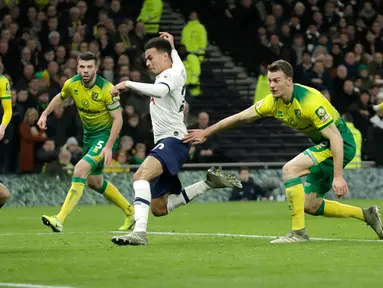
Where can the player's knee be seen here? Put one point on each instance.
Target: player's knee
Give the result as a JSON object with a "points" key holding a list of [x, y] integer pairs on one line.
{"points": [[289, 171], [4, 194], [159, 208], [137, 176], [312, 206], [95, 183], [81, 169]]}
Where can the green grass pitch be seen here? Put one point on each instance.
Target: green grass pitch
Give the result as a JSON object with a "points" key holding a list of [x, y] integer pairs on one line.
{"points": [[84, 256]]}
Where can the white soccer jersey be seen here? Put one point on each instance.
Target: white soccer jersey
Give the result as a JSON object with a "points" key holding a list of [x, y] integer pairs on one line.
{"points": [[167, 112]]}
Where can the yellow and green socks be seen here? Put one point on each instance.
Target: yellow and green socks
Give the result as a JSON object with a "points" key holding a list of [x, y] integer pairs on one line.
{"points": [[72, 198], [335, 209], [111, 193], [296, 197]]}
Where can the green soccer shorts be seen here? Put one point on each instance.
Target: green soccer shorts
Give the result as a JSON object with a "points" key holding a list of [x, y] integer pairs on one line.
{"points": [[322, 172], [91, 151]]}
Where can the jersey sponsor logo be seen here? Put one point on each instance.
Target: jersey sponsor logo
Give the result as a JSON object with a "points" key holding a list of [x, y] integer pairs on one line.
{"points": [[298, 113], [8, 88], [259, 104], [94, 96], [87, 111], [279, 114], [85, 103], [322, 114]]}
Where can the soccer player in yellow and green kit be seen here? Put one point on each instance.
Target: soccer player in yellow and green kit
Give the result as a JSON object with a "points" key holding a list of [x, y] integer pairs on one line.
{"points": [[6, 102], [307, 110], [101, 117]]}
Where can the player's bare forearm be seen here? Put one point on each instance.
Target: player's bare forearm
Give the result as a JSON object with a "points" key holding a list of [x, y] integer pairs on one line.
{"points": [[336, 143], [116, 127], [245, 116], [56, 102]]}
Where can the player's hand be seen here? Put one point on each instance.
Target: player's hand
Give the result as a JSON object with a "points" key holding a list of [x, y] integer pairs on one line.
{"points": [[106, 153], [195, 136], [2, 131], [42, 123], [340, 186], [120, 87], [168, 37]]}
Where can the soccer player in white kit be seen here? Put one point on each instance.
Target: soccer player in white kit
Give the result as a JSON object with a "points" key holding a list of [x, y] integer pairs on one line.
{"points": [[156, 184]]}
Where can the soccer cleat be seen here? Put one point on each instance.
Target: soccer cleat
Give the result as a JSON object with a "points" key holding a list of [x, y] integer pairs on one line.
{"points": [[293, 237], [133, 238], [215, 178], [53, 223], [372, 218], [129, 223]]}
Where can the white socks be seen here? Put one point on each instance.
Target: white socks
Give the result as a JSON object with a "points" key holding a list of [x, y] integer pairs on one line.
{"points": [[141, 204], [187, 194]]}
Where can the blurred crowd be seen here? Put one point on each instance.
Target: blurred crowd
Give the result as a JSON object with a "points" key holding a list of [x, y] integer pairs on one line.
{"points": [[39, 43], [334, 46]]}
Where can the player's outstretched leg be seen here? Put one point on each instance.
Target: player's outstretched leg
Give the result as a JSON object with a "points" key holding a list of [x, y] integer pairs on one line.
{"points": [[110, 192], [333, 209], [81, 172], [4, 195], [215, 178]]}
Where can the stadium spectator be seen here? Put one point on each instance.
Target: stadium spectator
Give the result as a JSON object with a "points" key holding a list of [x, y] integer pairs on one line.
{"points": [[150, 15], [208, 151], [45, 155], [29, 136], [120, 158], [62, 166], [194, 36], [250, 191], [76, 151]]}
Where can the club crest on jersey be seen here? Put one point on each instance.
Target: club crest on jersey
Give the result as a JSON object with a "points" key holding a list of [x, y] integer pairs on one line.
{"points": [[298, 113], [85, 103], [94, 96], [259, 104], [322, 114]]}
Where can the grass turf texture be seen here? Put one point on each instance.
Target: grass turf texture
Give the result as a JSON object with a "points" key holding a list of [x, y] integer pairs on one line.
{"points": [[84, 256]]}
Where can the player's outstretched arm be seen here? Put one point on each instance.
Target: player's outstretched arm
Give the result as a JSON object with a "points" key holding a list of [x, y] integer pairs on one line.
{"points": [[56, 102], [336, 143], [157, 90], [197, 136]]}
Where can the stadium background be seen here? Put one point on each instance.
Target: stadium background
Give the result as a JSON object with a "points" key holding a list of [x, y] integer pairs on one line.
{"points": [[334, 46]]}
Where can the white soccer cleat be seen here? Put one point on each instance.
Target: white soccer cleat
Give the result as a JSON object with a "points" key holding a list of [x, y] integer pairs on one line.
{"points": [[134, 239], [292, 237]]}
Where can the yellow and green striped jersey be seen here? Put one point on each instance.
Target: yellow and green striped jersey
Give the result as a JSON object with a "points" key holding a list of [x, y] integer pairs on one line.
{"points": [[93, 104], [308, 111]]}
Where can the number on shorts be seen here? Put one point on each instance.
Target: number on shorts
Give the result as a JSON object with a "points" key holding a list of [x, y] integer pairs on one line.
{"points": [[99, 144], [159, 146]]}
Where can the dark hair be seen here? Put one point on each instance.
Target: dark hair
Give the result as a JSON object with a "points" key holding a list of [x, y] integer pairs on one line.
{"points": [[244, 168], [87, 56], [160, 44], [281, 65]]}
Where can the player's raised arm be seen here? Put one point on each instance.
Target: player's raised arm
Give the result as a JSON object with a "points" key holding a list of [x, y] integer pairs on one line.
{"points": [[6, 102], [197, 136], [336, 143], [177, 62]]}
